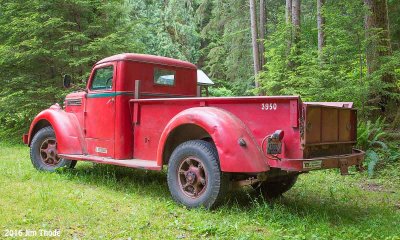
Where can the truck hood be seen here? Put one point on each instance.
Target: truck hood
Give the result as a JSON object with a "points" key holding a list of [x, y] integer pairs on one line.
{"points": [[74, 95]]}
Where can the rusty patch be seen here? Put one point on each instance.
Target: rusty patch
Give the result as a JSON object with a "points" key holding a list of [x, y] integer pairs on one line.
{"points": [[322, 150], [344, 166]]}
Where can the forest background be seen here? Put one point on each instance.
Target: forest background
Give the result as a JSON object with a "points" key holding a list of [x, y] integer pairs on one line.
{"points": [[322, 50]]}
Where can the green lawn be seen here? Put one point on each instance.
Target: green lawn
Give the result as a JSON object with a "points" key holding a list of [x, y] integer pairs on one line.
{"points": [[100, 201]]}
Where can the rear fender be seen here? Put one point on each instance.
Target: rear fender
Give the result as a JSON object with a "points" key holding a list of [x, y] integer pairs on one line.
{"points": [[66, 127], [226, 130]]}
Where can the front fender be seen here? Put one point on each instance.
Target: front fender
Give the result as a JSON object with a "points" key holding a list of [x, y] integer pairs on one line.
{"points": [[225, 129], [68, 132]]}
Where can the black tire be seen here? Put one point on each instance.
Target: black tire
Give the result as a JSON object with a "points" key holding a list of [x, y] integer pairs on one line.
{"points": [[43, 135], [275, 188], [212, 190]]}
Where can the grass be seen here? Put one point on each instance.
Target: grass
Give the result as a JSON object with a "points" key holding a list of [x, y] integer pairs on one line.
{"points": [[100, 201]]}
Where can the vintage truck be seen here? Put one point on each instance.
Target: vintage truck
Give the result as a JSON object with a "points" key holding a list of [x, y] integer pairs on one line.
{"points": [[144, 111]]}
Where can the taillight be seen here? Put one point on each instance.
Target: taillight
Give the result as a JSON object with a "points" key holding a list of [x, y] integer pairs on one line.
{"points": [[278, 135]]}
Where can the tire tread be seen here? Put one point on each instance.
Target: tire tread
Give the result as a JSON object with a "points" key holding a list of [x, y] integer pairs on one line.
{"points": [[220, 185], [47, 131]]}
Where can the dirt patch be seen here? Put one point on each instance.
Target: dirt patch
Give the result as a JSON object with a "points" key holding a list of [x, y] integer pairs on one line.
{"points": [[397, 206], [375, 187]]}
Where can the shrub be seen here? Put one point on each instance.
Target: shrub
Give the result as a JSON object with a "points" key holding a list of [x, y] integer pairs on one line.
{"points": [[370, 139]]}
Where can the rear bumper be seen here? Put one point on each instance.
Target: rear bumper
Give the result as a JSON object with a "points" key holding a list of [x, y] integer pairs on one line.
{"points": [[304, 165]]}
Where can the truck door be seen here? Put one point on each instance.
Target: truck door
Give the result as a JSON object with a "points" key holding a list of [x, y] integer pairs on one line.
{"points": [[100, 111]]}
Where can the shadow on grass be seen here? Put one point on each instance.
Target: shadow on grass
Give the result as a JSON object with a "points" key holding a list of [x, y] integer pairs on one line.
{"points": [[116, 178], [301, 203]]}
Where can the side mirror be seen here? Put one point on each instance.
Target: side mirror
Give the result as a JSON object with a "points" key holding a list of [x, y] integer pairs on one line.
{"points": [[67, 81]]}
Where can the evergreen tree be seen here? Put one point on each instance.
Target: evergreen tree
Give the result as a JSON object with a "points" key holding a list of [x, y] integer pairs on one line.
{"points": [[41, 40]]}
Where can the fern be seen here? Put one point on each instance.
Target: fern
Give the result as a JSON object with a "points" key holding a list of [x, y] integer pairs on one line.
{"points": [[369, 139], [373, 159]]}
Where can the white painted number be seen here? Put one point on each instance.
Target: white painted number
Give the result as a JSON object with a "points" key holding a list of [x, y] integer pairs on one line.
{"points": [[269, 106]]}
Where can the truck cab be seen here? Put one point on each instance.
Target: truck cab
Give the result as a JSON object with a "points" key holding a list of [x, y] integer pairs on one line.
{"points": [[103, 110], [144, 111]]}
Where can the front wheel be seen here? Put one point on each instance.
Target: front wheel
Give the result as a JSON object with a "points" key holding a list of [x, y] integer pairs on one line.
{"points": [[194, 175], [44, 151]]}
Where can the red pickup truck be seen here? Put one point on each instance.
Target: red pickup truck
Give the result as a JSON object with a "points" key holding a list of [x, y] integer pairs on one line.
{"points": [[144, 111]]}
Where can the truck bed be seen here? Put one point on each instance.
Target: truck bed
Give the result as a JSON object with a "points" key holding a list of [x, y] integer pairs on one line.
{"points": [[311, 130], [150, 116]]}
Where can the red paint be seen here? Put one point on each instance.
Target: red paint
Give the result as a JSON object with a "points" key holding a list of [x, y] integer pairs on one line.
{"points": [[25, 138], [224, 128], [110, 126], [68, 131]]}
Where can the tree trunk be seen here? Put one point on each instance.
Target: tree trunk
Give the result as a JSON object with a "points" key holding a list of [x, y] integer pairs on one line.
{"points": [[262, 29], [253, 27], [396, 122], [288, 23], [288, 11], [296, 20], [376, 23], [294, 33], [320, 26], [377, 32]]}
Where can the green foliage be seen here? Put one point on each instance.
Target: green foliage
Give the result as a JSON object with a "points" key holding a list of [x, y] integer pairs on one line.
{"points": [[337, 75], [40, 41], [340, 73], [390, 66], [394, 22], [369, 139], [369, 133], [167, 28], [226, 36], [220, 92]]}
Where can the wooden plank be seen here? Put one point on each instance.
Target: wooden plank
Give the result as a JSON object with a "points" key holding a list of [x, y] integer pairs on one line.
{"points": [[329, 121], [345, 125], [313, 124]]}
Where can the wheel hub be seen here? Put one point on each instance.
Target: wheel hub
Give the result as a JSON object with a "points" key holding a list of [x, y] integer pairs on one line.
{"points": [[48, 152], [192, 177]]}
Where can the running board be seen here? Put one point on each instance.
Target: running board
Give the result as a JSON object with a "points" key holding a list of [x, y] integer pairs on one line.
{"points": [[132, 163]]}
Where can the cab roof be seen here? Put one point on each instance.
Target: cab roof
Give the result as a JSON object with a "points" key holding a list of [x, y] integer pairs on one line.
{"points": [[148, 59]]}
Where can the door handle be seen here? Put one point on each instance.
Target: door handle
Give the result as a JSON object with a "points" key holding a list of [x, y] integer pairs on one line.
{"points": [[111, 100]]}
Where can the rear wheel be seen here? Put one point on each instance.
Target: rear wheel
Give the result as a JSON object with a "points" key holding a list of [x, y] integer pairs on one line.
{"points": [[44, 151], [194, 175], [276, 187]]}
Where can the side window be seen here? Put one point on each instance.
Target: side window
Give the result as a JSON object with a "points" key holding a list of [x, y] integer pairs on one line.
{"points": [[103, 78], [164, 76]]}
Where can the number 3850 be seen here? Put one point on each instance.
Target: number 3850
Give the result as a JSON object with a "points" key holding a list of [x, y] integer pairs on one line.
{"points": [[269, 106]]}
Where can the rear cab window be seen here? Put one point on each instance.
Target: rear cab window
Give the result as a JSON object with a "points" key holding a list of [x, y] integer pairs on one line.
{"points": [[103, 78], [164, 77]]}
